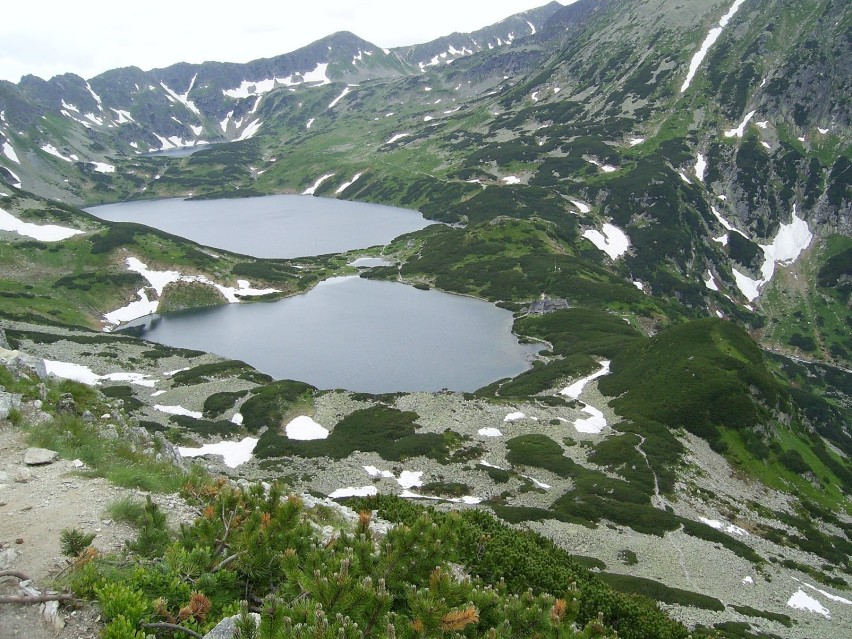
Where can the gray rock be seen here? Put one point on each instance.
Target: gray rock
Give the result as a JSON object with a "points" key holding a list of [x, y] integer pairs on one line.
{"points": [[22, 475], [50, 613], [225, 628], [39, 456], [7, 556], [21, 364], [66, 404], [8, 401], [4, 343]]}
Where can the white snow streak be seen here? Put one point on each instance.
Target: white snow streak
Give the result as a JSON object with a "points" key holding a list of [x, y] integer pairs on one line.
{"points": [[489, 432], [233, 453], [802, 601], [9, 152], [49, 148], [576, 389], [396, 137], [178, 410], [740, 130], [41, 232], [313, 187], [345, 92], [250, 130], [584, 208], [711, 38], [710, 282], [346, 185], [700, 167]]}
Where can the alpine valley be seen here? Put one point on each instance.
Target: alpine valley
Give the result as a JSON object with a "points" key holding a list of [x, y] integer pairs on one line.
{"points": [[658, 191]]}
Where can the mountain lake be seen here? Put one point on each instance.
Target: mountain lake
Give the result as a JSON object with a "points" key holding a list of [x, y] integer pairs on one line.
{"points": [[347, 332], [277, 226], [359, 335]]}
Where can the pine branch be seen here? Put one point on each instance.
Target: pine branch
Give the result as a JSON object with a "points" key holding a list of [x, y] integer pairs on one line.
{"points": [[14, 573], [28, 599]]}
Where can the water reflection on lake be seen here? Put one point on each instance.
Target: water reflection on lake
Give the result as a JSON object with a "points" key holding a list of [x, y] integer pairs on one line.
{"points": [[361, 335], [282, 226]]}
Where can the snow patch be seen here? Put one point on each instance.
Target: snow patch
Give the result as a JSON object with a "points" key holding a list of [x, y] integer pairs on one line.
{"points": [[178, 410], [49, 148], [303, 428], [103, 167], [584, 208], [363, 491], [700, 167], [345, 92], [250, 130], [233, 453], [791, 240], [576, 389], [613, 241], [512, 179], [489, 432], [9, 152], [513, 417], [41, 232], [593, 424], [123, 116], [802, 601], [711, 38], [740, 130], [636, 141], [710, 282], [825, 593], [606, 168], [396, 137], [74, 372], [719, 525], [184, 98], [313, 187], [346, 185]]}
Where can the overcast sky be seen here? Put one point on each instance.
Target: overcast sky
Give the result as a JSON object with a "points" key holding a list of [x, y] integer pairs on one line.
{"points": [[50, 37]]}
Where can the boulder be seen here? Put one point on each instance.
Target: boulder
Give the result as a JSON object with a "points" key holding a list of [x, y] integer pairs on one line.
{"points": [[39, 456], [225, 628], [66, 404], [21, 364], [8, 401]]}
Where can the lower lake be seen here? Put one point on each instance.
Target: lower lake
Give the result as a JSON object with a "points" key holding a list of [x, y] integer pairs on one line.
{"points": [[274, 226], [360, 335]]}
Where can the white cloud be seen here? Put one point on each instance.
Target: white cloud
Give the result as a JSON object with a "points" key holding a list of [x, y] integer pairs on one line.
{"points": [[52, 37]]}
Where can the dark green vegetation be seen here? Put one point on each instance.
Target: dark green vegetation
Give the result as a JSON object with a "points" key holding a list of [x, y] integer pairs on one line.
{"points": [[523, 560], [200, 575], [390, 432]]}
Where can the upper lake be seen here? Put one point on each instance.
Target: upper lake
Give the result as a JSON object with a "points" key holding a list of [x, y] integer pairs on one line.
{"points": [[274, 226], [358, 334]]}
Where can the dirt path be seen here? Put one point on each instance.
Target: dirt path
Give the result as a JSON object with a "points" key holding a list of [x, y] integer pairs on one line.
{"points": [[36, 503]]}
